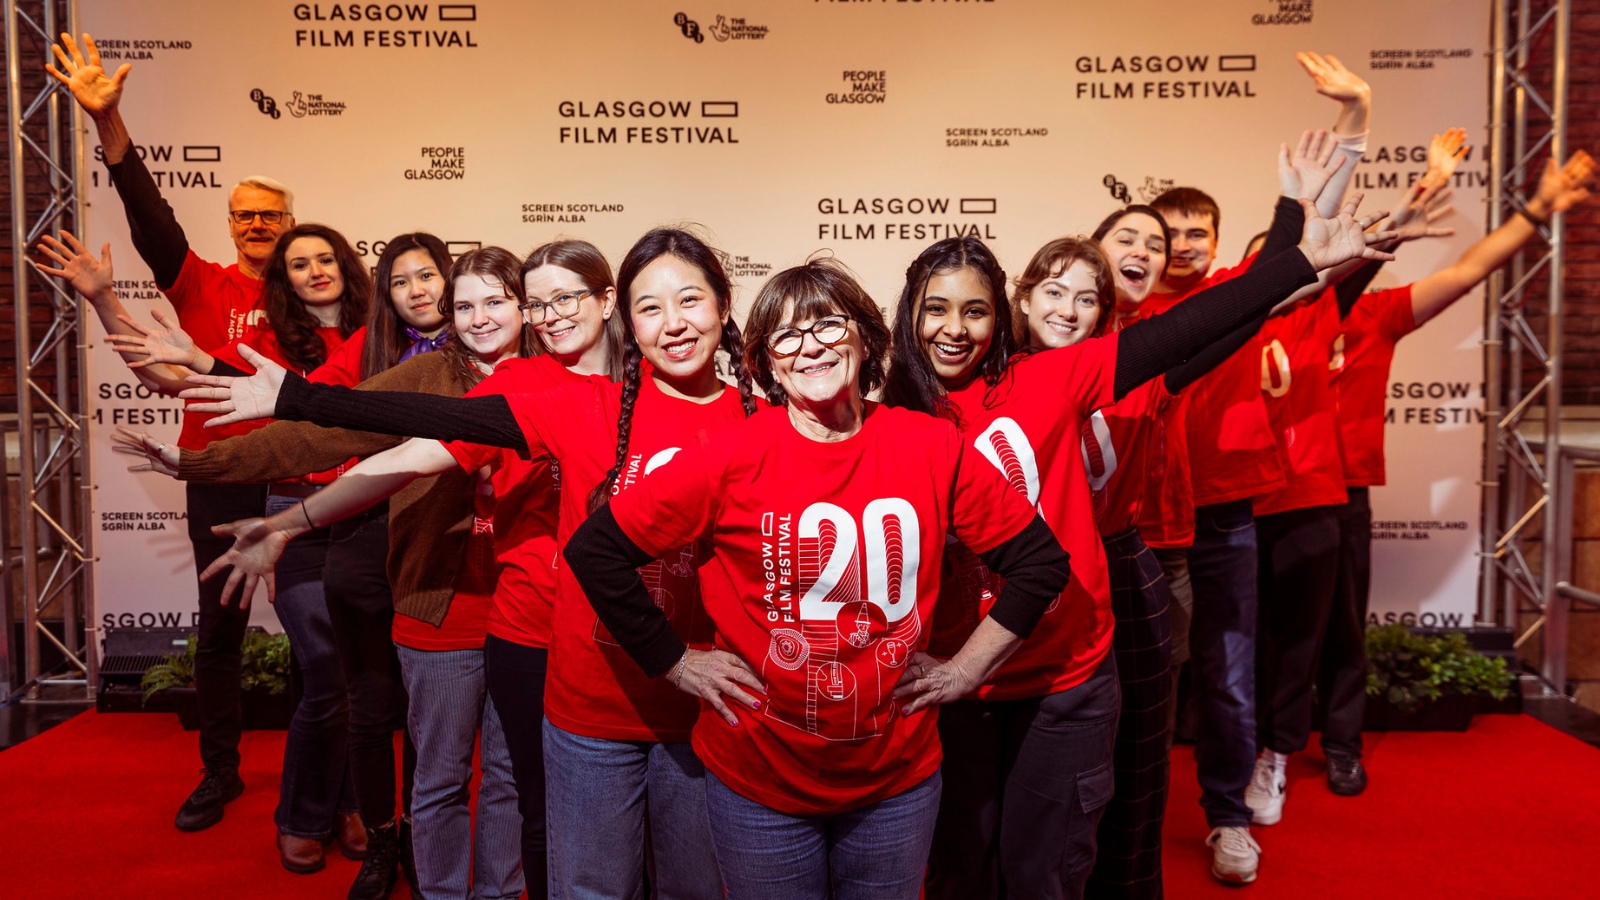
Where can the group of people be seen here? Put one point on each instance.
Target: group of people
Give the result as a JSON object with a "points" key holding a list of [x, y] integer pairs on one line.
{"points": [[770, 636]]}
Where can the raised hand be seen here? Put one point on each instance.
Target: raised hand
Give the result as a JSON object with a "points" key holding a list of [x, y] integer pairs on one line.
{"points": [[1333, 79], [929, 681], [712, 675], [158, 457], [1563, 187], [88, 276], [1445, 153], [1328, 242], [253, 557], [165, 343], [1422, 205], [1304, 172], [97, 93], [238, 399]]}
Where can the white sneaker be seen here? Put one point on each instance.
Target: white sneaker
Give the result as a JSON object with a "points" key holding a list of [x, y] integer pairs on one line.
{"points": [[1268, 784], [1235, 855]]}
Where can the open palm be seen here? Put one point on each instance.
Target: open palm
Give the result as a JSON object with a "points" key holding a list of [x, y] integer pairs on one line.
{"points": [[83, 75], [73, 261]]}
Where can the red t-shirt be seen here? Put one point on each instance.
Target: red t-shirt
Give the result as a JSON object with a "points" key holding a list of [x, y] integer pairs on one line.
{"points": [[1029, 427], [194, 435], [215, 303], [1232, 454], [527, 507], [824, 565], [1123, 452], [343, 366], [1361, 356], [1300, 404], [1166, 511], [593, 687], [468, 617]]}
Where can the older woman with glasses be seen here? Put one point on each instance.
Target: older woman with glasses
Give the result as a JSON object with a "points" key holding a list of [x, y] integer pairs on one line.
{"points": [[826, 519]]}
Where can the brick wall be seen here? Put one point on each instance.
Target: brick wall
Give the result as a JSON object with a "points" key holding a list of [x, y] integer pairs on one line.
{"points": [[33, 54], [1581, 320]]}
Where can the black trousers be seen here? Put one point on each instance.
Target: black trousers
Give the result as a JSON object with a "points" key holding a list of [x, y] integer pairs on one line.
{"points": [[1025, 785], [1342, 678], [217, 658], [515, 677], [356, 584], [1299, 556], [1128, 863]]}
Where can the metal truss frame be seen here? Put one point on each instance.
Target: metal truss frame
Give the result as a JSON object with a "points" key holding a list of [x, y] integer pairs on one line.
{"points": [[56, 562]]}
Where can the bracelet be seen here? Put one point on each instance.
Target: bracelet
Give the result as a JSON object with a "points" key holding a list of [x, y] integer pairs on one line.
{"points": [[677, 677], [307, 514], [1535, 222]]}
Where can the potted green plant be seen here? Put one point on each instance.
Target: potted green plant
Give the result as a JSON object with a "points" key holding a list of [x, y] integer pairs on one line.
{"points": [[264, 676], [1423, 682]]}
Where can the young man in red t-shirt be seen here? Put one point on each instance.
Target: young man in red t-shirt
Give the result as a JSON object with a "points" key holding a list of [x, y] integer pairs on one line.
{"points": [[1234, 458], [1360, 356]]}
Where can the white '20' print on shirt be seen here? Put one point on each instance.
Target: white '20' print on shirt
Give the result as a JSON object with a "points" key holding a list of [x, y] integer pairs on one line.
{"points": [[891, 570]]}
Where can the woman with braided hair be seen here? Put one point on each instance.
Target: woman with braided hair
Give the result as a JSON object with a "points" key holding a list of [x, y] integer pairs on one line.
{"points": [[617, 759]]}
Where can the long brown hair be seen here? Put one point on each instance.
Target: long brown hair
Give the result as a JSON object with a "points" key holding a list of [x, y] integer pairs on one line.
{"points": [[585, 260], [489, 263], [294, 325]]}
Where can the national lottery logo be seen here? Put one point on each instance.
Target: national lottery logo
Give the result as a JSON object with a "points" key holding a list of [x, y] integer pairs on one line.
{"points": [[265, 104], [689, 27]]}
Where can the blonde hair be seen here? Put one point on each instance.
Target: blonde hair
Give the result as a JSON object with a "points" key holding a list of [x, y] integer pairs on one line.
{"points": [[268, 184]]}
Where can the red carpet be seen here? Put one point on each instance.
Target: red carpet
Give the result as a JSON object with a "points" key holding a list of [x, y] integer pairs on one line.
{"points": [[1509, 809]]}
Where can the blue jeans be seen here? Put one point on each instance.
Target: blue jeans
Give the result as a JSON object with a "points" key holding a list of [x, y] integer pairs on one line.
{"points": [[598, 794], [1222, 653], [877, 852], [448, 707], [316, 753]]}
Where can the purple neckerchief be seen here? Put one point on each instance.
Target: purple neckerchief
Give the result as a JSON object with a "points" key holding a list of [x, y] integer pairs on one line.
{"points": [[420, 344]]}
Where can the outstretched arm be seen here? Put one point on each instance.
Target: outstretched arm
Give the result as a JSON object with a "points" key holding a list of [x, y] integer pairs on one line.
{"points": [[92, 278], [1560, 188], [273, 392], [258, 543], [155, 231], [1151, 347], [1354, 95]]}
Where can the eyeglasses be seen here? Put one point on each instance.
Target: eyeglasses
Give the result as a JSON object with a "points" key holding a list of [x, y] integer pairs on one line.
{"points": [[829, 330], [246, 216], [563, 304]]}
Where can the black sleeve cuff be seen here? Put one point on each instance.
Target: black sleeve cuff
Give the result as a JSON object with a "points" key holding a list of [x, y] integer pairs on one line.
{"points": [[606, 563], [484, 420], [1036, 571]]}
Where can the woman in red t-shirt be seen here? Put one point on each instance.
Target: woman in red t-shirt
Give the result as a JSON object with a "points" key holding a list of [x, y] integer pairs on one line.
{"points": [[1028, 415], [613, 738], [316, 292], [825, 522]]}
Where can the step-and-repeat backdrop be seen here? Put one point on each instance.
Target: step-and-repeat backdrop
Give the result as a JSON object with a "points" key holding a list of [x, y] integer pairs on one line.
{"points": [[783, 127]]}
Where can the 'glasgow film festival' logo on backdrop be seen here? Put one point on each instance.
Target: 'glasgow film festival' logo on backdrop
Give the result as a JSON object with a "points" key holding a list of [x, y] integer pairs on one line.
{"points": [[1284, 12], [1174, 76], [915, 218], [689, 27], [387, 25]]}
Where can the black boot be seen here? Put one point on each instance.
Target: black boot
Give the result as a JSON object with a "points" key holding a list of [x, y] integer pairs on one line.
{"points": [[378, 871], [408, 859], [203, 809]]}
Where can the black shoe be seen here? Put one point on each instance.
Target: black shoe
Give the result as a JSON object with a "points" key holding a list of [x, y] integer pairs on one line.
{"points": [[1346, 776], [408, 858], [379, 870], [203, 809]]}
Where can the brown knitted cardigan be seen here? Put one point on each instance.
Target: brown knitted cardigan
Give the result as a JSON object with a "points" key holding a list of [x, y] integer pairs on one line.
{"points": [[430, 519]]}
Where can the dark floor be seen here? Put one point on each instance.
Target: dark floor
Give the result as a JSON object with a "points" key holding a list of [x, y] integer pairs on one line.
{"points": [[20, 719]]}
